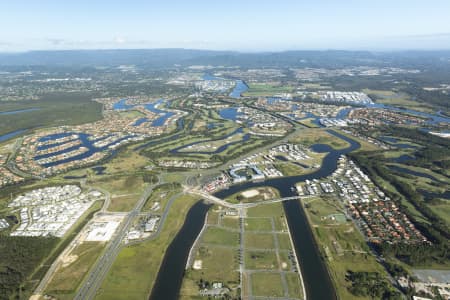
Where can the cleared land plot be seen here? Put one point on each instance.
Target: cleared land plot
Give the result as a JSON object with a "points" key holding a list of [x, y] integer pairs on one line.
{"points": [[123, 203], [218, 265], [258, 224], [273, 210], [219, 236], [213, 218], [294, 288], [284, 242], [230, 222], [267, 284], [260, 260], [259, 241], [120, 185]]}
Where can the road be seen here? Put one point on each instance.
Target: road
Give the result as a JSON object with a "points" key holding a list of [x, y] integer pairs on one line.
{"points": [[56, 264], [98, 272], [224, 203]]}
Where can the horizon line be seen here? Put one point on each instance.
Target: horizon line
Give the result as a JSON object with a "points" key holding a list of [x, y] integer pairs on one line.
{"points": [[379, 50]]}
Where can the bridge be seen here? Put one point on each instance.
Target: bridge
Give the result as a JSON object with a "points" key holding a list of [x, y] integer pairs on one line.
{"points": [[224, 203]]}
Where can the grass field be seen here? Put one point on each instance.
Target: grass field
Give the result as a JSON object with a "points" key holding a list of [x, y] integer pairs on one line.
{"points": [[293, 282], [218, 253], [67, 279], [53, 110], [219, 236], [134, 271], [263, 89], [267, 285], [308, 137], [231, 222], [258, 224], [284, 242], [260, 260], [119, 185], [161, 194], [123, 203], [126, 160], [259, 241]]}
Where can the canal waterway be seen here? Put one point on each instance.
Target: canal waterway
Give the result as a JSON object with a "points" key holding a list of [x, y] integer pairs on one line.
{"points": [[413, 173], [11, 135], [153, 107], [84, 142], [316, 278], [170, 276], [239, 89], [19, 111]]}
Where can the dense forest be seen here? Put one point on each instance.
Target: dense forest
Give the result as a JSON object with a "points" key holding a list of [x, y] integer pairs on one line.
{"points": [[19, 257]]}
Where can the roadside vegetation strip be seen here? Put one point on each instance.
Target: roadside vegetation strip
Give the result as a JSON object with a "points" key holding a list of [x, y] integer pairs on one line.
{"points": [[66, 280], [134, 271]]}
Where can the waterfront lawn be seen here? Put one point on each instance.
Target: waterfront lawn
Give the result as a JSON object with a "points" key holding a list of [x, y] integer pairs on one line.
{"points": [[284, 242], [261, 260], [267, 284], [294, 285], [67, 279], [213, 217], [290, 169], [258, 224], [365, 146], [259, 241], [309, 122], [219, 236], [134, 271]]}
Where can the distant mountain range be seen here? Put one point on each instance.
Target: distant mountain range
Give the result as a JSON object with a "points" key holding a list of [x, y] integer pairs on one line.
{"points": [[164, 58]]}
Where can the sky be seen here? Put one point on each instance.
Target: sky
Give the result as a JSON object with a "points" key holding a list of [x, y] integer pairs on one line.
{"points": [[245, 25]]}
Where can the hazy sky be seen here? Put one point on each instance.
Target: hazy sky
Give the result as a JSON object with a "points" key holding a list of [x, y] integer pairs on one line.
{"points": [[249, 25]]}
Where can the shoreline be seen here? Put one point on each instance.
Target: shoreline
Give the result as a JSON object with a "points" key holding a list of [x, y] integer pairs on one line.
{"points": [[194, 245], [305, 297]]}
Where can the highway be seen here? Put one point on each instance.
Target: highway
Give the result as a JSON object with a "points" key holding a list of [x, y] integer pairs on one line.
{"points": [[94, 279]]}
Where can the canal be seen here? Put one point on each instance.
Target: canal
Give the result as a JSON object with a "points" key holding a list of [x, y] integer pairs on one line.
{"points": [[316, 278], [170, 276], [317, 281]]}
